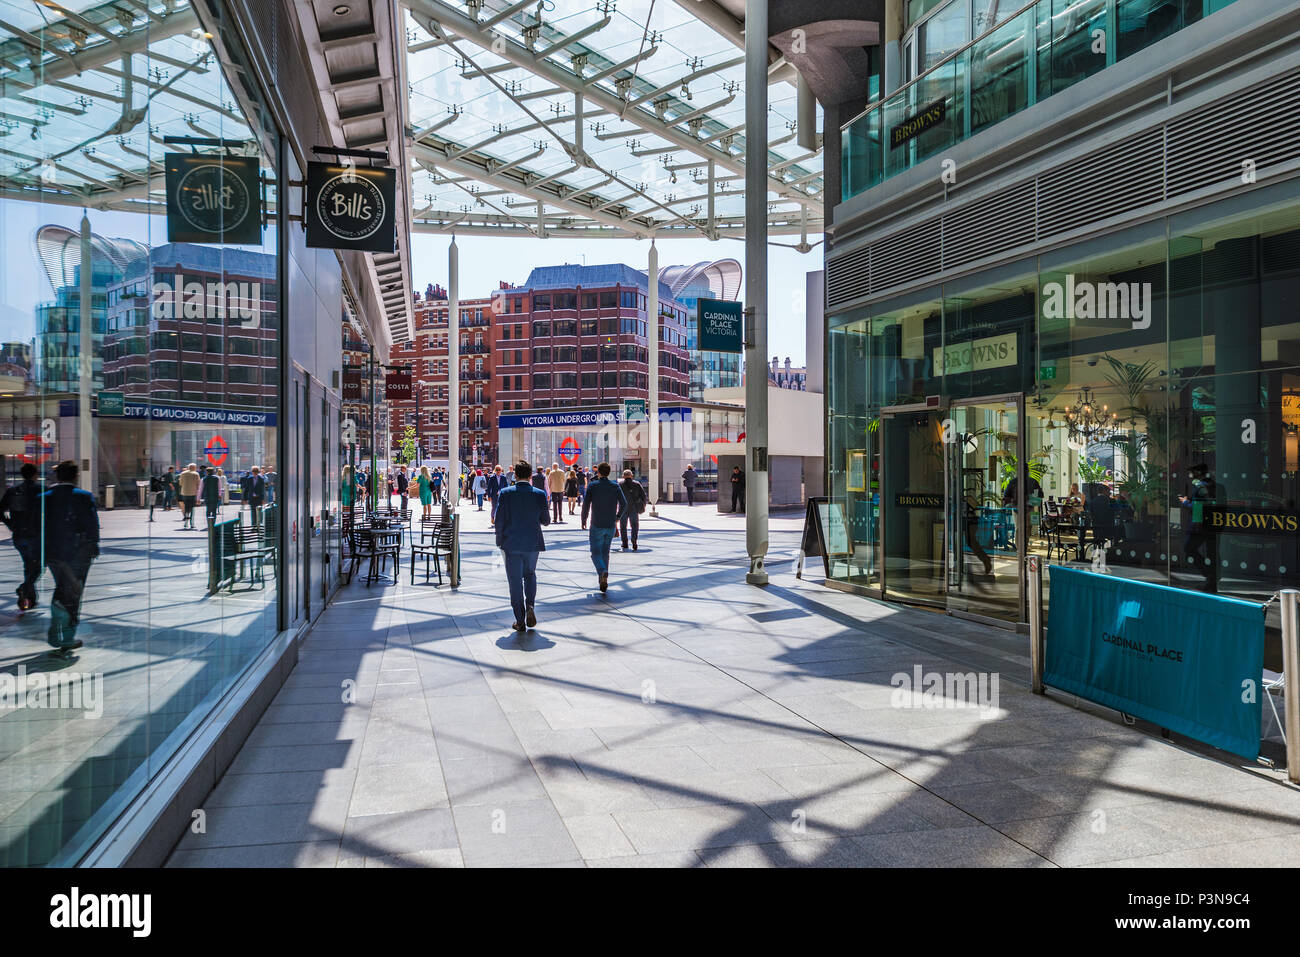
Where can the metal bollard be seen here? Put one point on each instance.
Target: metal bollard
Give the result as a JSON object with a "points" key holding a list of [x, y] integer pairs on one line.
{"points": [[454, 561], [1035, 577], [1289, 605]]}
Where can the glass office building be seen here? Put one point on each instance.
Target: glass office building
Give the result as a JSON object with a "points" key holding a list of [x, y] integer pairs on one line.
{"points": [[128, 354], [1106, 377]]}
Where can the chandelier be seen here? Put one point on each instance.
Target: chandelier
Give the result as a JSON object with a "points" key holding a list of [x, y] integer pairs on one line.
{"points": [[1088, 423]]}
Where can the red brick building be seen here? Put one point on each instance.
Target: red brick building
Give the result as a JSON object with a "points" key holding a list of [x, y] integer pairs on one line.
{"points": [[577, 335], [427, 355]]}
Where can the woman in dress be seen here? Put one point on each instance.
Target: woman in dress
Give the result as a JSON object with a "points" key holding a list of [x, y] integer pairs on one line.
{"points": [[426, 491], [571, 488]]}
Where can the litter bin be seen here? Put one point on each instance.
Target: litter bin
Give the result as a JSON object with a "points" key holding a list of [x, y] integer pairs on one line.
{"points": [[142, 494], [110, 496], [670, 493]]}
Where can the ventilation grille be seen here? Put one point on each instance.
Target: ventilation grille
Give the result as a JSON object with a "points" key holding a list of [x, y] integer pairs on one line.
{"points": [[1105, 183], [1003, 221], [1195, 151], [914, 251], [1210, 146]]}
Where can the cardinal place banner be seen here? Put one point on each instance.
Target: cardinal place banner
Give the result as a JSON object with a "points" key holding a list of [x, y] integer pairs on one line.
{"points": [[1182, 660], [351, 207], [213, 199]]}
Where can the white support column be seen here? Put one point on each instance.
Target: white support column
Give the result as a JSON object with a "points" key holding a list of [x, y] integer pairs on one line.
{"points": [[453, 370], [652, 407], [756, 531], [85, 367]]}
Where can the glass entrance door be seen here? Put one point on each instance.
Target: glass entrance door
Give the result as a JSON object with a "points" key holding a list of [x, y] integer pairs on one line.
{"points": [[985, 492], [912, 460]]}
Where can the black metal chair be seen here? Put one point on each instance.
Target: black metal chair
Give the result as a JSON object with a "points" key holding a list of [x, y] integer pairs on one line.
{"points": [[383, 544], [436, 550]]}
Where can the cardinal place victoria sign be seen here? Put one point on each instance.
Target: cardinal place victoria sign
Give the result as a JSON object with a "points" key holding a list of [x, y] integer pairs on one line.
{"points": [[213, 199], [351, 207]]}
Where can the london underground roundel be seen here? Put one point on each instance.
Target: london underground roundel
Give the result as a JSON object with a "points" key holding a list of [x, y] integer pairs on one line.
{"points": [[217, 450], [570, 450]]}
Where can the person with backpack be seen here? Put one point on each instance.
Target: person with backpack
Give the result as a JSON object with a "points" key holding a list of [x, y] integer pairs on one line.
{"points": [[636, 502], [20, 510], [606, 505], [71, 544]]}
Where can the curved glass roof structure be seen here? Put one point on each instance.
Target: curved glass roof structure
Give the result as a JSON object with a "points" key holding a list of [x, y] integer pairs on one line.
{"points": [[721, 276]]}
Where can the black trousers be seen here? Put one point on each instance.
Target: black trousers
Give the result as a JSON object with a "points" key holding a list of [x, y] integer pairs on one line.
{"points": [[690, 495], [557, 506], [630, 516], [737, 495], [65, 604], [29, 548]]}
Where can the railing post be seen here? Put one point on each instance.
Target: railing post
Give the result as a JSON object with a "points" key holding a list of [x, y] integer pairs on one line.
{"points": [[1290, 608], [1035, 577]]}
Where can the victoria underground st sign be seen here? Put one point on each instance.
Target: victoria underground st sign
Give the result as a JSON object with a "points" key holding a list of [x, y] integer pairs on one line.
{"points": [[721, 326], [351, 207]]}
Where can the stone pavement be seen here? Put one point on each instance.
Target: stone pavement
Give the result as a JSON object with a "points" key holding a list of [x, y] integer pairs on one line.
{"points": [[687, 719]]}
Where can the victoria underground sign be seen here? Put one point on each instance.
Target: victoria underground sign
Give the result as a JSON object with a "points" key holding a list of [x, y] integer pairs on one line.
{"points": [[213, 199], [721, 326], [351, 207]]}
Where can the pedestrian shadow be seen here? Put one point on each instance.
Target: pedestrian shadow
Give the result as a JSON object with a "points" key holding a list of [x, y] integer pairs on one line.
{"points": [[526, 641], [40, 662]]}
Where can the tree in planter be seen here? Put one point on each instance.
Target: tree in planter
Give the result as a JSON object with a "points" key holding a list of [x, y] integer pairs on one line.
{"points": [[409, 446]]}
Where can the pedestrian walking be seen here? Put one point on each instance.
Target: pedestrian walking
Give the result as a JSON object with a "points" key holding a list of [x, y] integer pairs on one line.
{"points": [[605, 505], [402, 485], [20, 510], [480, 488], [689, 478], [424, 484], [555, 485], [71, 544], [737, 488], [636, 502], [272, 484], [436, 480], [224, 485], [571, 488], [496, 484], [582, 483], [210, 492], [539, 478], [188, 484], [253, 486], [521, 513], [169, 488]]}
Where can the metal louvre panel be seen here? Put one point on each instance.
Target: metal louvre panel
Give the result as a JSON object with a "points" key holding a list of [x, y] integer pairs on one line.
{"points": [[1002, 221], [1106, 182], [912, 252], [1209, 146], [848, 277]]}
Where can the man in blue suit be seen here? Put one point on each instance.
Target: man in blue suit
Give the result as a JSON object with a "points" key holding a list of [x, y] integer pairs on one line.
{"points": [[522, 510], [71, 544]]}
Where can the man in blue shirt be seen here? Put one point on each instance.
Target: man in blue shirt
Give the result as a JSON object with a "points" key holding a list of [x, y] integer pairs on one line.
{"points": [[605, 504], [521, 512], [71, 544]]}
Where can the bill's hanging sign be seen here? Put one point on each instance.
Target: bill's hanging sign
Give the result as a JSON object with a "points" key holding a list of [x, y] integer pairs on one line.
{"points": [[721, 326], [213, 199], [397, 385], [928, 117], [351, 207]]}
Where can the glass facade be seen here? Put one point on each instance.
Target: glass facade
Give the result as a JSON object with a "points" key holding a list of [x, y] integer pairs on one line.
{"points": [[1133, 401], [969, 64], [134, 360]]}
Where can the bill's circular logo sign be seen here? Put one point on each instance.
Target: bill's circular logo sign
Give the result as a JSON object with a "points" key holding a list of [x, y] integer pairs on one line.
{"points": [[212, 201], [350, 207]]}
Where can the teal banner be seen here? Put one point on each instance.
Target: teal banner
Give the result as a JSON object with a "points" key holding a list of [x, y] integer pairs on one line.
{"points": [[1188, 662]]}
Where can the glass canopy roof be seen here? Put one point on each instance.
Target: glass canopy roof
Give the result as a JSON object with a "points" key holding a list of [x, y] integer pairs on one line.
{"points": [[493, 109]]}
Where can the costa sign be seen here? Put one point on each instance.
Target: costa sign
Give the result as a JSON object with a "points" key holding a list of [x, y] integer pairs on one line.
{"points": [[351, 207], [397, 386]]}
